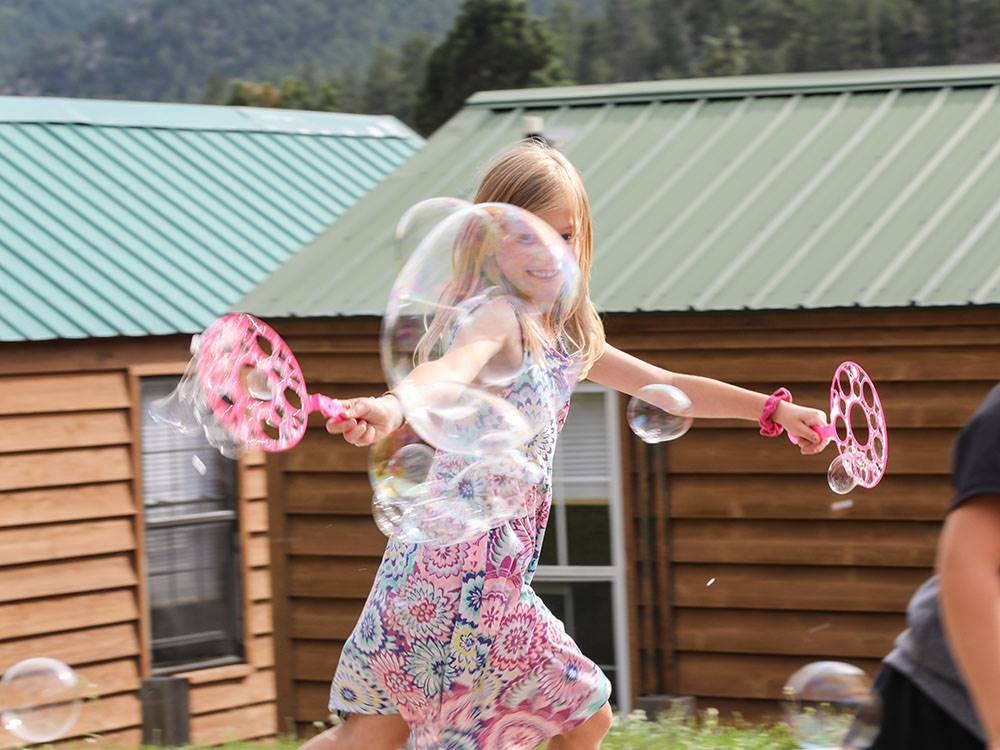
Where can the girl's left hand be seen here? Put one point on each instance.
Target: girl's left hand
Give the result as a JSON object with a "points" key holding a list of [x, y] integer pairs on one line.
{"points": [[798, 421]]}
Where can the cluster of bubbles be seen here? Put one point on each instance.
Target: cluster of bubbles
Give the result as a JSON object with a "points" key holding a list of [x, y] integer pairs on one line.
{"points": [[187, 410], [477, 278], [40, 699], [418, 502], [830, 705]]}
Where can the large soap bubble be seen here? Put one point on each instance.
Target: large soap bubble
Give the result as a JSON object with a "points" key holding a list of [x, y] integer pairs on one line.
{"points": [[481, 279], [463, 419], [40, 699], [418, 221], [830, 704]]}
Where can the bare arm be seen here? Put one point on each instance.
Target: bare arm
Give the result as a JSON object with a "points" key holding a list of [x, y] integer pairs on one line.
{"points": [[969, 564], [709, 398], [487, 333]]}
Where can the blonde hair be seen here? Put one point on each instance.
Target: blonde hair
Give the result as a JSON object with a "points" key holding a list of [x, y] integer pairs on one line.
{"points": [[539, 178]]}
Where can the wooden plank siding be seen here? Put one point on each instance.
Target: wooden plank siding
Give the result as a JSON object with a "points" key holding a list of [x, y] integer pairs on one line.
{"points": [[752, 570], [794, 578], [325, 547], [71, 539]]}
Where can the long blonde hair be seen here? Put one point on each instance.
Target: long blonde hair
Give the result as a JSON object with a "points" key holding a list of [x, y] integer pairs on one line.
{"points": [[539, 179]]}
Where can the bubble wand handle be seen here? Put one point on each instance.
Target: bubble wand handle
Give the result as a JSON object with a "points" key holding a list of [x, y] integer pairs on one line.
{"points": [[823, 430], [328, 407]]}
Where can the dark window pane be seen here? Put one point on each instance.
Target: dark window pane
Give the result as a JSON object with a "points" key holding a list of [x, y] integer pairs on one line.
{"points": [[585, 609], [550, 544], [192, 548], [193, 596], [588, 534]]}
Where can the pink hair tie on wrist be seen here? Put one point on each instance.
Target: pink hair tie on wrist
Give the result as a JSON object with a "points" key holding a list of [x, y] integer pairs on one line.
{"points": [[768, 427]]}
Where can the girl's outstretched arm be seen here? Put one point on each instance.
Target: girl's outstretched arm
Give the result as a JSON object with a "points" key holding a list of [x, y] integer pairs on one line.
{"points": [[492, 330], [709, 398]]}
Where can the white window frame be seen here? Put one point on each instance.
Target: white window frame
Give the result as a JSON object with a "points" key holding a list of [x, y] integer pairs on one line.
{"points": [[615, 574]]}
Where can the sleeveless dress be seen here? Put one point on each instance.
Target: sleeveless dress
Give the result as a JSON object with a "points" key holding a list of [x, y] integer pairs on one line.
{"points": [[454, 639]]}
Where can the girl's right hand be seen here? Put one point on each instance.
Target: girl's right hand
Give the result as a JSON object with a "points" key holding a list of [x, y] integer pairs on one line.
{"points": [[367, 420]]}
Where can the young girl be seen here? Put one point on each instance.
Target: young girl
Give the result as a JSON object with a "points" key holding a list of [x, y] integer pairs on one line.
{"points": [[454, 650]]}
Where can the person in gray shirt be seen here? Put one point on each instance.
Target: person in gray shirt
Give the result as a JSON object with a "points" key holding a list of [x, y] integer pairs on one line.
{"points": [[940, 685]]}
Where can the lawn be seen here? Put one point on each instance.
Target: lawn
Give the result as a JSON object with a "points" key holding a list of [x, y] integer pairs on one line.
{"points": [[633, 733]]}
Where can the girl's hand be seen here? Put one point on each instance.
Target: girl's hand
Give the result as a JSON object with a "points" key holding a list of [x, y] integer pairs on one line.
{"points": [[367, 420], [798, 420]]}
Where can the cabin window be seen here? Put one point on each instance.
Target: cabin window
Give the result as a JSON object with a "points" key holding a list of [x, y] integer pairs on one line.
{"points": [[581, 572], [191, 544]]}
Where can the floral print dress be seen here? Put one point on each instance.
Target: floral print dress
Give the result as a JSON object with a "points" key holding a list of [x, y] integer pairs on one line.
{"points": [[454, 639]]}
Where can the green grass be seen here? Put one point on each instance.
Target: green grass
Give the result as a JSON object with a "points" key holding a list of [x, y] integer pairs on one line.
{"points": [[628, 733], [635, 733]]}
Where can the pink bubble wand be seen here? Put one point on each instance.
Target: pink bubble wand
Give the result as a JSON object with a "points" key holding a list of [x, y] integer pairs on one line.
{"points": [[852, 396], [254, 385]]}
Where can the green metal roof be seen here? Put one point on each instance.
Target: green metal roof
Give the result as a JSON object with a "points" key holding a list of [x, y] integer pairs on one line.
{"points": [[818, 190], [129, 218]]}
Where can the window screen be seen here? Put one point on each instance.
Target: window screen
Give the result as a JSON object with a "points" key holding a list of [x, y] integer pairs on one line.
{"points": [[192, 544]]}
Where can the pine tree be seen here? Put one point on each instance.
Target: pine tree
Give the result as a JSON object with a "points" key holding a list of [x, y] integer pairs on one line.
{"points": [[494, 44]]}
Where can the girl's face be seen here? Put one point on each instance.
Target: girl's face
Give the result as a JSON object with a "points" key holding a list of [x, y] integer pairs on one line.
{"points": [[535, 269]]}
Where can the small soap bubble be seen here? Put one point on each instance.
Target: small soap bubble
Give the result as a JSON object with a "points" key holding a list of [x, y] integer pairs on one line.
{"points": [[839, 476], [842, 504], [659, 412], [198, 465], [40, 699], [830, 704], [710, 582], [258, 385]]}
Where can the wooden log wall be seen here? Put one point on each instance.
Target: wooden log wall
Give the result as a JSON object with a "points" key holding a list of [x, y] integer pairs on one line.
{"points": [[326, 547], [741, 569], [71, 560], [744, 565]]}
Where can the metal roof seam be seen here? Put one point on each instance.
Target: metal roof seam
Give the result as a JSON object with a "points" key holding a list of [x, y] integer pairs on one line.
{"points": [[992, 282], [959, 253], [720, 179], [608, 153], [652, 153], [654, 198], [245, 210], [590, 127], [275, 166], [857, 191], [127, 162], [931, 224], [763, 184], [86, 198], [254, 177], [845, 261], [744, 256], [306, 168], [56, 220]]}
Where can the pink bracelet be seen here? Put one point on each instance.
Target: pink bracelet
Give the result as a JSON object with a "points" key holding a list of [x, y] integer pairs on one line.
{"points": [[768, 427]]}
